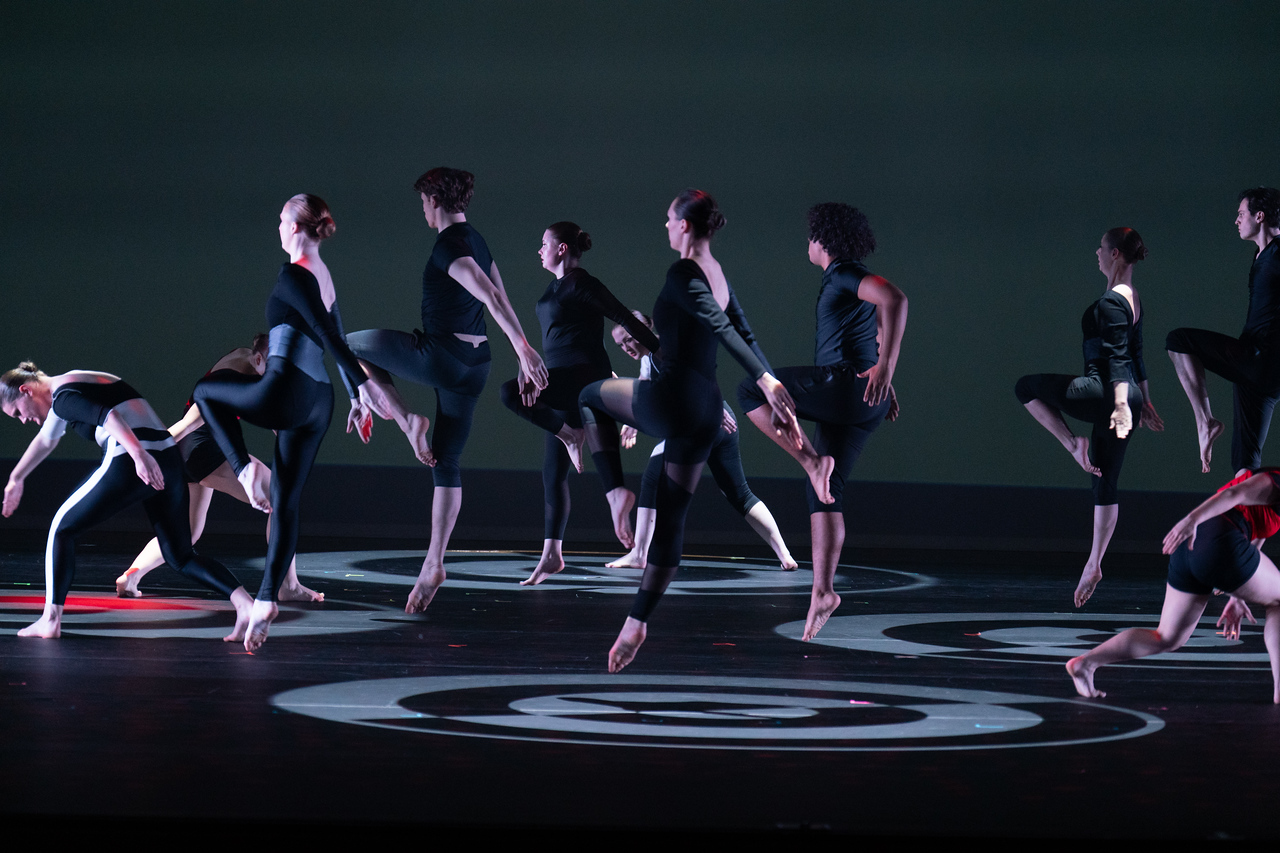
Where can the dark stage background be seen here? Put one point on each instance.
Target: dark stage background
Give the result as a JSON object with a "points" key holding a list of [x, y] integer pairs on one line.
{"points": [[148, 148]]}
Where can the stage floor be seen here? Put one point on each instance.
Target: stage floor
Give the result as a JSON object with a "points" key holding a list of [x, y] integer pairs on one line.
{"points": [[933, 703]]}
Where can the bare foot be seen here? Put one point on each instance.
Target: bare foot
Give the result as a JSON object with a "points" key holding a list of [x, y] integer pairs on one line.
{"points": [[621, 500], [788, 562], [1212, 430], [546, 568], [297, 592], [253, 478], [1081, 673], [1088, 583], [821, 606], [628, 643], [429, 580], [261, 615], [47, 627], [417, 435], [632, 560], [1080, 452], [244, 609], [820, 477], [127, 583], [573, 439]]}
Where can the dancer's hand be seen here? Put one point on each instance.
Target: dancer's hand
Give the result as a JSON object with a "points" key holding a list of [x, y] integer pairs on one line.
{"points": [[1233, 614], [148, 470], [531, 365], [627, 436], [894, 409], [783, 409], [1121, 420], [879, 381], [727, 423], [1183, 531], [528, 390], [12, 497], [1149, 419], [360, 420]]}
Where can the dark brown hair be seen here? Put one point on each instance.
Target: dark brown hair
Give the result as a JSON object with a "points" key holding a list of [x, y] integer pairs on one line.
{"points": [[700, 210], [572, 236], [451, 188], [13, 380], [1128, 242], [312, 215]]}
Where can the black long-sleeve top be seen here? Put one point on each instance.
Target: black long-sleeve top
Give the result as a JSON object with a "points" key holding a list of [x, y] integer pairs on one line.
{"points": [[690, 323], [296, 301], [1262, 324], [1112, 340], [846, 325], [572, 314]]}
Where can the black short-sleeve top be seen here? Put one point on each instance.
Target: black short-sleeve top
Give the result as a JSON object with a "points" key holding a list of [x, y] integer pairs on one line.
{"points": [[83, 408], [1262, 324], [572, 312], [448, 308], [1113, 340], [846, 327]]}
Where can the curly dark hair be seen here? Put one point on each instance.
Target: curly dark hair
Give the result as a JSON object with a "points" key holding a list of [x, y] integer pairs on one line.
{"points": [[841, 230], [1264, 200], [451, 188]]}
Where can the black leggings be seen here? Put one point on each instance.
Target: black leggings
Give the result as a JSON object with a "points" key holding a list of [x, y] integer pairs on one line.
{"points": [[458, 385], [682, 407], [113, 487], [1089, 399], [831, 397], [725, 463], [298, 408], [555, 406], [1256, 381]]}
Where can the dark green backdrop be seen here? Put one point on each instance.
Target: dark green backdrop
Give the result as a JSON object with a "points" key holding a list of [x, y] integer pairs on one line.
{"points": [[147, 149]]}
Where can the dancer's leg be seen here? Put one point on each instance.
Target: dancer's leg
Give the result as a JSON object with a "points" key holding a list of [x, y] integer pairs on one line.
{"points": [[383, 352], [1178, 618], [1263, 587], [1104, 524], [445, 505], [603, 404], [1191, 376], [827, 532], [646, 513], [725, 464], [555, 495], [150, 557]]}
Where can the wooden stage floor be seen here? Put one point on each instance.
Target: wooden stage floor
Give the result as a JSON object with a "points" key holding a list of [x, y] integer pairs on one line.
{"points": [[934, 704]]}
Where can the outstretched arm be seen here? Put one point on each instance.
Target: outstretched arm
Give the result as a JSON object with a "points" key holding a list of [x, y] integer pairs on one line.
{"points": [[1257, 490], [891, 324], [37, 451], [489, 290]]}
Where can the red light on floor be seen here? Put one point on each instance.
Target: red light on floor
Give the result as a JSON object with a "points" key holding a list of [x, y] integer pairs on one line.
{"points": [[106, 601]]}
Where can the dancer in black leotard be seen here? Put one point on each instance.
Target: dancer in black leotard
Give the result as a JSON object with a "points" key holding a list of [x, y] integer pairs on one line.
{"points": [[1114, 383], [1251, 362], [140, 462], [725, 464], [571, 313], [207, 471], [450, 353], [861, 319], [294, 397], [695, 310]]}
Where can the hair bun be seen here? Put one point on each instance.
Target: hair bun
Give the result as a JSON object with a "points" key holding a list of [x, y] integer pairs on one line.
{"points": [[584, 242]]}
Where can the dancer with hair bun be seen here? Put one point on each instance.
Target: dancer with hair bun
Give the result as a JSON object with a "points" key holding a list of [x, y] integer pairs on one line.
{"points": [[293, 397], [572, 313], [695, 311], [1114, 384], [861, 320], [140, 463], [1251, 363], [450, 353]]}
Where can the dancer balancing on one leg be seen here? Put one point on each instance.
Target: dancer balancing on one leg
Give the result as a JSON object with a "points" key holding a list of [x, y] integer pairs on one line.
{"points": [[206, 471], [695, 310], [293, 397], [1217, 546], [1114, 384], [725, 464], [848, 391], [572, 313], [1252, 361], [451, 353], [140, 462]]}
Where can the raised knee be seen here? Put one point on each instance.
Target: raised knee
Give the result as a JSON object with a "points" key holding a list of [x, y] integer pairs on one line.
{"points": [[509, 393], [1177, 341], [1025, 390], [750, 397]]}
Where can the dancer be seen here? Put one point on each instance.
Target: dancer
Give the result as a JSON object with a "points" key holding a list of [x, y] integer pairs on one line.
{"points": [[293, 397], [207, 471], [450, 353], [849, 390], [1113, 385], [1252, 361], [725, 463], [695, 309], [140, 462], [1209, 549], [571, 313]]}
